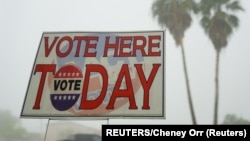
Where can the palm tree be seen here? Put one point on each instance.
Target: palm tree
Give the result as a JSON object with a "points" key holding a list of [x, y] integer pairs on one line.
{"points": [[218, 22], [176, 16]]}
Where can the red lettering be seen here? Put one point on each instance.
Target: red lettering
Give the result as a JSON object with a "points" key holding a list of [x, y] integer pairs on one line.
{"points": [[89, 46], [79, 40], [137, 46], [92, 104], [146, 84], [69, 49], [124, 45], [128, 92], [152, 45], [115, 46], [44, 69], [48, 47]]}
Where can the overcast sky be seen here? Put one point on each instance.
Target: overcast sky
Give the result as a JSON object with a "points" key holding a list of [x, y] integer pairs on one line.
{"points": [[23, 22]]}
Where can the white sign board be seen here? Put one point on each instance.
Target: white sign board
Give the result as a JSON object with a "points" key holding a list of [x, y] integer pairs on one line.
{"points": [[97, 74]]}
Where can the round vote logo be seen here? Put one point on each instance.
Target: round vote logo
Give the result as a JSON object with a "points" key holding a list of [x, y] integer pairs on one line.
{"points": [[66, 87]]}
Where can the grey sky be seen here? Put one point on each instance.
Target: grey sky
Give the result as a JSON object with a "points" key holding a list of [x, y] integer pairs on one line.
{"points": [[23, 22]]}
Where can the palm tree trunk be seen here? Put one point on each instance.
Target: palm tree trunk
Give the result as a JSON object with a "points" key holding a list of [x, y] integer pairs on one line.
{"points": [[216, 87], [187, 85]]}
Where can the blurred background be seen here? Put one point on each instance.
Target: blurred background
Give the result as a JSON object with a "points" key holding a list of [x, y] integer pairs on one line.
{"points": [[207, 60]]}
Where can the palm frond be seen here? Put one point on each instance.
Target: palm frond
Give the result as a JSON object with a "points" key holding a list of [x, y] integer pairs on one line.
{"points": [[233, 21], [205, 22], [234, 6], [174, 15]]}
